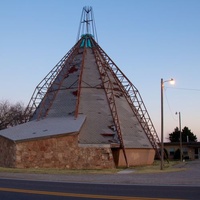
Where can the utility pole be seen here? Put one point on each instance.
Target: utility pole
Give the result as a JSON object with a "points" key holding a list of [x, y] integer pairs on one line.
{"points": [[181, 149], [162, 120]]}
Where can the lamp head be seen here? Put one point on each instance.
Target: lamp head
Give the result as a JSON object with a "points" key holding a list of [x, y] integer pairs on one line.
{"points": [[172, 81]]}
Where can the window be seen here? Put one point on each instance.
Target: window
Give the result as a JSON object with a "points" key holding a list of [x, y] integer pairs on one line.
{"points": [[171, 151], [185, 151]]}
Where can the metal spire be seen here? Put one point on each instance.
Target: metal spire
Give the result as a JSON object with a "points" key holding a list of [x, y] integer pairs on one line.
{"points": [[87, 23]]}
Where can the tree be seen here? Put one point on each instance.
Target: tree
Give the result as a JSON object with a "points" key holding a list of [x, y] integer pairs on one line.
{"points": [[11, 114], [187, 135]]}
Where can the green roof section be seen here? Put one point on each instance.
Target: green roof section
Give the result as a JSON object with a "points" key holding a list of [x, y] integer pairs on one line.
{"points": [[86, 41]]}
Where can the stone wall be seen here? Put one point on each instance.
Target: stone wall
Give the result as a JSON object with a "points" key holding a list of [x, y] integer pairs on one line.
{"points": [[61, 152], [7, 152], [64, 152]]}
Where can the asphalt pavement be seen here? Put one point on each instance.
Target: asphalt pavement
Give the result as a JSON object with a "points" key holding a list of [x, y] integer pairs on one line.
{"points": [[189, 176]]}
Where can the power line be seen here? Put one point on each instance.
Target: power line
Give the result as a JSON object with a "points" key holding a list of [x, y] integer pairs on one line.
{"points": [[191, 89], [169, 106]]}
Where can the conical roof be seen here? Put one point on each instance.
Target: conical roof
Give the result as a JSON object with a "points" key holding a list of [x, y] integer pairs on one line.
{"points": [[85, 85]]}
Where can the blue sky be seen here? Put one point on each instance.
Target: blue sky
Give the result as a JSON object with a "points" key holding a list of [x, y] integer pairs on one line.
{"points": [[147, 39]]}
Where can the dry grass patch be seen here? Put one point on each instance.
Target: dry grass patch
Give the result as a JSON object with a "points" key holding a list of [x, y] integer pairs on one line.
{"points": [[171, 166], [154, 168], [58, 171]]}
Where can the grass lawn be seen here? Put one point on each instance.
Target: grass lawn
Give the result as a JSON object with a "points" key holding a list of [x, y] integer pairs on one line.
{"points": [[171, 166]]}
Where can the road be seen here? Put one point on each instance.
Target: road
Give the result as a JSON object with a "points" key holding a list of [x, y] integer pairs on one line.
{"points": [[11, 189], [182, 184]]}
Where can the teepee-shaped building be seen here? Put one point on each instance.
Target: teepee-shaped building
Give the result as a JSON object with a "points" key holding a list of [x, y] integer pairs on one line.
{"points": [[84, 114]]}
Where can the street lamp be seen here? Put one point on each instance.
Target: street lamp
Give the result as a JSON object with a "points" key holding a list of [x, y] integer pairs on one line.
{"points": [[162, 127], [181, 149]]}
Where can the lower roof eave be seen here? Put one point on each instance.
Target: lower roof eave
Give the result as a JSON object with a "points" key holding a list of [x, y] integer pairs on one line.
{"points": [[45, 137], [94, 145], [114, 145]]}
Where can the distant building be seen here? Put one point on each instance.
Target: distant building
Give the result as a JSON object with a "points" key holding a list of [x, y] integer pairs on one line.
{"points": [[191, 150]]}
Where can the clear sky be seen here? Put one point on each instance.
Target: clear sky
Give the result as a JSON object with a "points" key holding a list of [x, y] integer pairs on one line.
{"points": [[147, 39]]}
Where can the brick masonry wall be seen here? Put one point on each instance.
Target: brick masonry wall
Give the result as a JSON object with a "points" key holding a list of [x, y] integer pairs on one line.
{"points": [[61, 152], [7, 152]]}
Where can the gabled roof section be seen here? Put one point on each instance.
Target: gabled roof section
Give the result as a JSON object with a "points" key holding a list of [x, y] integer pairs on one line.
{"points": [[48, 127]]}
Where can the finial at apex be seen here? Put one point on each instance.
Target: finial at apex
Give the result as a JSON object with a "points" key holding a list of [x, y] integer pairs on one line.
{"points": [[87, 23]]}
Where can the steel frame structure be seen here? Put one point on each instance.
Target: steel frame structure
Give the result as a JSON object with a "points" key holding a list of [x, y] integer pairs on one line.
{"points": [[42, 89], [87, 23], [106, 66], [108, 86], [134, 99], [79, 83]]}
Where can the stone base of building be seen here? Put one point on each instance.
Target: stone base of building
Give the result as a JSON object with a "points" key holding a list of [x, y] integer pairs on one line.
{"points": [[65, 152], [57, 152]]}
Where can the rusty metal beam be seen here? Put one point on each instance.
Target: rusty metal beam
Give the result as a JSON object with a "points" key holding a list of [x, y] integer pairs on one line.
{"points": [[41, 89], [134, 99], [79, 83], [108, 85]]}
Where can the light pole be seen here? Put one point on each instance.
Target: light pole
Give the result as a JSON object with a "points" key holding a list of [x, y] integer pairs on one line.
{"points": [[181, 149], [162, 124]]}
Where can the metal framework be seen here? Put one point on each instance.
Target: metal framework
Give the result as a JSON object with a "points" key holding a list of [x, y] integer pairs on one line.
{"points": [[79, 84], [109, 89], [41, 98], [42, 90], [46, 91], [87, 23], [134, 99]]}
